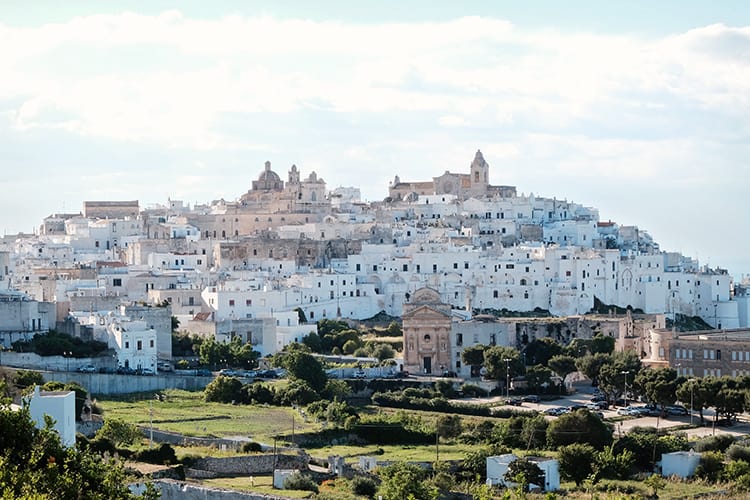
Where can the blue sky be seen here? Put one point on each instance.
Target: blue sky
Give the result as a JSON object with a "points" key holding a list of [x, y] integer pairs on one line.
{"points": [[638, 108]]}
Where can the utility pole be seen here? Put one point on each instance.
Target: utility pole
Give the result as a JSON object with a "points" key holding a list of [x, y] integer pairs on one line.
{"points": [[507, 377], [626, 385]]}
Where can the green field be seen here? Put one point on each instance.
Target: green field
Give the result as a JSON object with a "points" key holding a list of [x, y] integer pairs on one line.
{"points": [[187, 413]]}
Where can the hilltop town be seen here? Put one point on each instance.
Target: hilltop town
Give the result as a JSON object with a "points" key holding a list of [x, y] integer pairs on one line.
{"points": [[285, 250]]}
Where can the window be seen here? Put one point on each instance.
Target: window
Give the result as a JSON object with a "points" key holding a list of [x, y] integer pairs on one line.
{"points": [[139, 345], [494, 294], [359, 267], [231, 302], [151, 343], [127, 345], [249, 302], [375, 267], [459, 339], [405, 267], [426, 338], [117, 282]]}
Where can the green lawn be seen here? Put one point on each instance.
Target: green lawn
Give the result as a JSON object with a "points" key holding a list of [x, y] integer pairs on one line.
{"points": [[187, 413], [258, 484]]}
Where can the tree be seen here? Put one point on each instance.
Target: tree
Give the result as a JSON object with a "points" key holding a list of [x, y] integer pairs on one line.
{"points": [[591, 364], [696, 392], [576, 461], [405, 481], [313, 342], [562, 365], [212, 352], [656, 483], [612, 376], [350, 346], [473, 356], [119, 432], [394, 329], [449, 426], [602, 344], [224, 390], [538, 377], [33, 464], [524, 472], [383, 352], [534, 432], [539, 351], [658, 385], [494, 362], [302, 365], [580, 426], [27, 378]]}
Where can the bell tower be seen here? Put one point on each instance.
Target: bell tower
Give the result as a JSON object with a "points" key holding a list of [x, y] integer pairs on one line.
{"points": [[480, 174]]}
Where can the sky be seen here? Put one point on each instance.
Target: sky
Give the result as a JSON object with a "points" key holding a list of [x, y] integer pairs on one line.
{"points": [[638, 108]]}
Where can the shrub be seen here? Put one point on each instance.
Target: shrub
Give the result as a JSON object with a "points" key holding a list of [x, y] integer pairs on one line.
{"points": [[26, 378], [299, 481], [119, 432], [163, 455], [714, 443], [736, 452], [711, 466], [473, 391], [364, 486], [251, 447]]}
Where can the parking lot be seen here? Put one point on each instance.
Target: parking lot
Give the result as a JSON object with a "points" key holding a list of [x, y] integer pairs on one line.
{"points": [[623, 424]]}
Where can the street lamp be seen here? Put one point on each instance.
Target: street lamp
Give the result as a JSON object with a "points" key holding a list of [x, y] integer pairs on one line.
{"points": [[626, 372], [67, 355], [692, 384], [507, 377]]}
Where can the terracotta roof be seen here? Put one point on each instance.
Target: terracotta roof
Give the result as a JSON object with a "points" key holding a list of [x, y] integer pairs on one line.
{"points": [[202, 316]]}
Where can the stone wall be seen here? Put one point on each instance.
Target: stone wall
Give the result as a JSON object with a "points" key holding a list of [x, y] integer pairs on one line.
{"points": [[105, 383], [249, 465], [176, 490]]}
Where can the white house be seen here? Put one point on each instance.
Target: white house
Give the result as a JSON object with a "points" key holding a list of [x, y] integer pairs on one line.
{"points": [[61, 406], [498, 465], [135, 344], [680, 463]]}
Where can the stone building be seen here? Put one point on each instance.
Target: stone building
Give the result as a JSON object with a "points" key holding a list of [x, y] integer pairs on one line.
{"points": [[464, 186], [706, 353], [427, 329]]}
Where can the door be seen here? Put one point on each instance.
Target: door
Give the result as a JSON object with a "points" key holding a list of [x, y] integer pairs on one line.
{"points": [[427, 364]]}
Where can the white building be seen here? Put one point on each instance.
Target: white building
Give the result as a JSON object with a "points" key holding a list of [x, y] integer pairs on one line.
{"points": [[498, 465], [680, 463], [61, 406]]}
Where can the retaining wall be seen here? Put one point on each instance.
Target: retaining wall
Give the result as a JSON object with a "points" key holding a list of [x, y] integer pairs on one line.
{"points": [[176, 490]]}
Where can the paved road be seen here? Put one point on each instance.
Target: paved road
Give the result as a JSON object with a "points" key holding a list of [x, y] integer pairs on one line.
{"points": [[583, 395]]}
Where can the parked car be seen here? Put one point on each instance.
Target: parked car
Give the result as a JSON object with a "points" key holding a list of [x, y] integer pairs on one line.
{"points": [[125, 370], [513, 401], [450, 374], [577, 407], [227, 372], [531, 398], [598, 398], [203, 372], [87, 369], [556, 411], [600, 405], [632, 411], [146, 371], [106, 369], [677, 410]]}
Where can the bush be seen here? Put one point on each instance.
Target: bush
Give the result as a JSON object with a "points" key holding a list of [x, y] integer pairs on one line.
{"points": [[251, 447], [26, 378], [364, 486], [163, 455], [714, 443], [473, 391], [736, 452], [711, 466], [299, 481], [119, 432]]}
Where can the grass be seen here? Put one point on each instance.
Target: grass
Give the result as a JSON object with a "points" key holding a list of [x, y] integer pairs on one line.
{"points": [[187, 413], [256, 484], [674, 489], [393, 453]]}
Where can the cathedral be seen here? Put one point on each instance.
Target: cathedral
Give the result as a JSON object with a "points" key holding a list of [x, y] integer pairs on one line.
{"points": [[475, 184]]}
